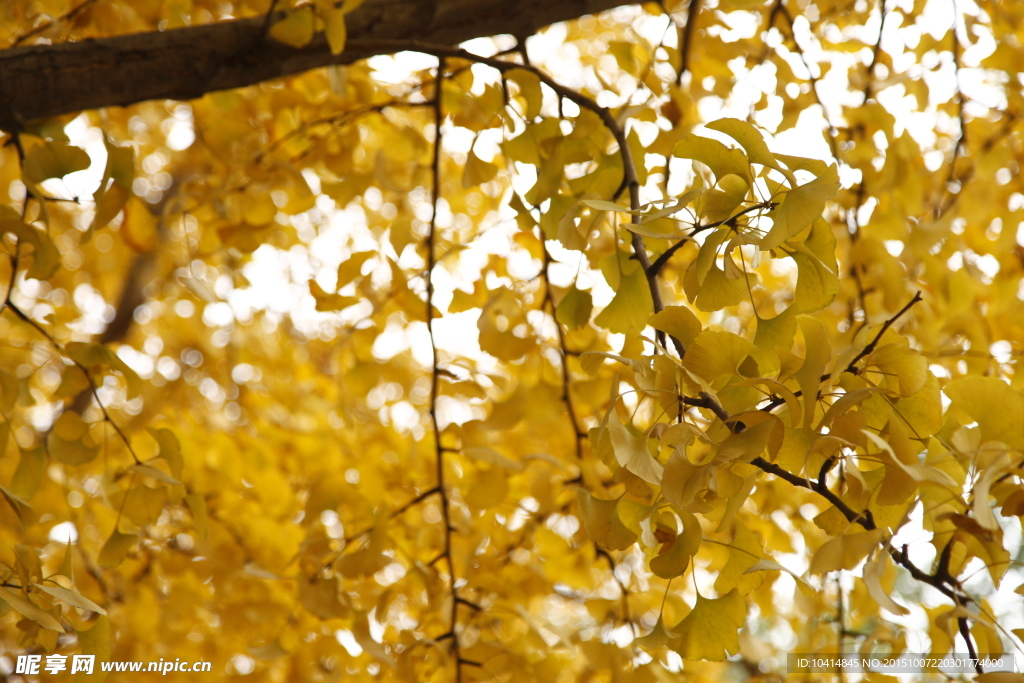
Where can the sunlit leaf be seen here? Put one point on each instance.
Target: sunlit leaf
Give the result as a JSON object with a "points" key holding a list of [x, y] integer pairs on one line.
{"points": [[53, 160], [720, 159]]}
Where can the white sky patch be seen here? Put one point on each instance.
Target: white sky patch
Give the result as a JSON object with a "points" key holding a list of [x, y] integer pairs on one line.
{"points": [[65, 532]]}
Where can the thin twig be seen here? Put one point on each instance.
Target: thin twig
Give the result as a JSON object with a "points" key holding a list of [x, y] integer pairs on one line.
{"points": [[965, 633], [961, 142], [570, 410], [439, 451], [867, 350], [88, 375], [660, 262], [686, 39], [876, 51], [943, 583]]}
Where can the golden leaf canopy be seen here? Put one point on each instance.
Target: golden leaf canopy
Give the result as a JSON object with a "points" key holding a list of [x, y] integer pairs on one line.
{"points": [[656, 343]]}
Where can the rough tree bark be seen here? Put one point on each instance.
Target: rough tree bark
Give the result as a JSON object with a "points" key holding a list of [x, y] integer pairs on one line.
{"points": [[48, 80]]}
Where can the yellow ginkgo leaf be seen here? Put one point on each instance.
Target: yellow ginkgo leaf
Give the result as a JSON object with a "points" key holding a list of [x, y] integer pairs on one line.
{"points": [[905, 365], [873, 572], [715, 155], [529, 90], [683, 481], [170, 449], [116, 549], [351, 268], [45, 257], [678, 322], [575, 308], [659, 636], [335, 30], [749, 137], [503, 330], [800, 207], [477, 171], [818, 354], [26, 608], [711, 630], [97, 357], [631, 308], [631, 451], [371, 557], [602, 522], [295, 28], [197, 506], [994, 404], [73, 598], [141, 505], [715, 353], [745, 551], [924, 474], [718, 290], [321, 596], [766, 565], [675, 560], [115, 188], [29, 475], [638, 150], [154, 473], [54, 159], [70, 442], [95, 641], [845, 552], [326, 301], [490, 489]]}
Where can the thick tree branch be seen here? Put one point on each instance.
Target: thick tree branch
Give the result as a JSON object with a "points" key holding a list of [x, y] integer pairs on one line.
{"points": [[49, 80]]}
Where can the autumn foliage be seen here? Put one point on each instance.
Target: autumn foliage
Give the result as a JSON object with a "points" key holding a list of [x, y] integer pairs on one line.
{"points": [[664, 343]]}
